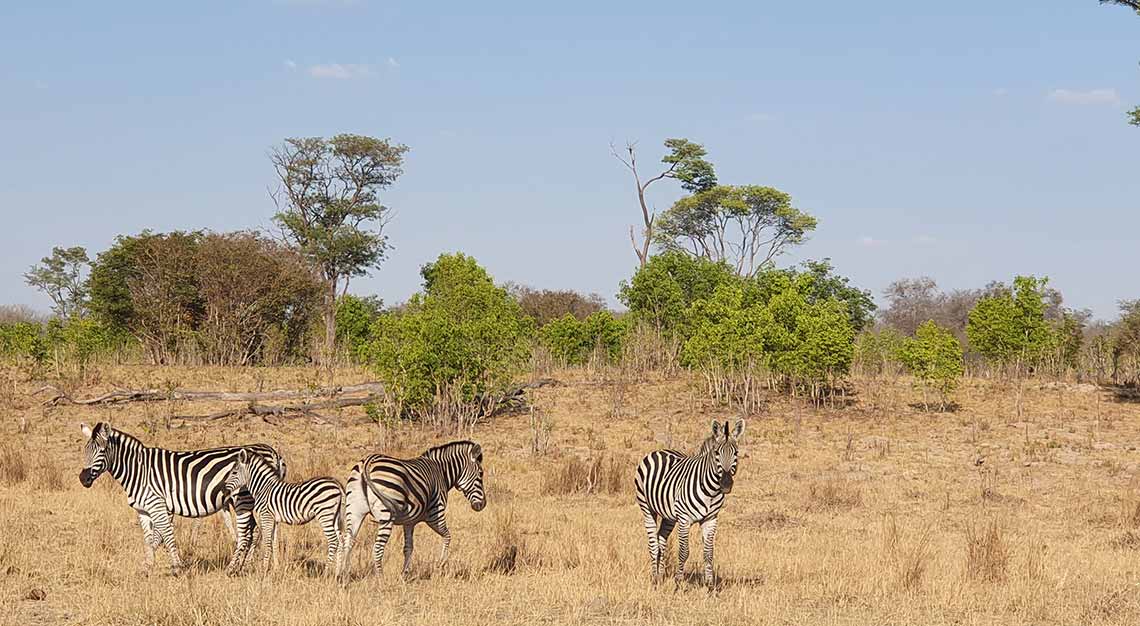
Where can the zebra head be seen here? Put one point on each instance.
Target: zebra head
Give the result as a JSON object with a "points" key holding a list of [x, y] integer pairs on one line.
{"points": [[723, 445], [238, 476], [470, 482], [94, 453]]}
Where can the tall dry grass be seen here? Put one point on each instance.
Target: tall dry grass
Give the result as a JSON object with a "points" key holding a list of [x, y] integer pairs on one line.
{"points": [[864, 515]]}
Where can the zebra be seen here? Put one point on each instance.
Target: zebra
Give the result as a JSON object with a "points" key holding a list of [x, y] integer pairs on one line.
{"points": [[410, 491], [677, 490], [161, 483], [275, 500]]}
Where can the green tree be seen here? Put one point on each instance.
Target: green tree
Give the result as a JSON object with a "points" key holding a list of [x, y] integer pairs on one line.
{"points": [[329, 206], [934, 357], [821, 283], [685, 163], [661, 291], [573, 341], [60, 276], [354, 318], [457, 344], [877, 351], [1009, 327], [744, 226]]}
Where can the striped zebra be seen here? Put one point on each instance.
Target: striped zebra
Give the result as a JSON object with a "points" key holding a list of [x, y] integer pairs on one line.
{"points": [[677, 490], [162, 483], [410, 491], [275, 500]]}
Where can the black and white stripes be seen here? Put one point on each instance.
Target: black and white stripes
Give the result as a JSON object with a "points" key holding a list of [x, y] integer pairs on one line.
{"points": [[677, 490], [410, 491], [162, 483], [275, 500]]}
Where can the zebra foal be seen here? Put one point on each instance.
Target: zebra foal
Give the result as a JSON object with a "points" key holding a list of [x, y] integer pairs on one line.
{"points": [[410, 491], [276, 501], [161, 483], [678, 490]]}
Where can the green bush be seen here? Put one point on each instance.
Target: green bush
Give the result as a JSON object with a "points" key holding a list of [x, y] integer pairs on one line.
{"points": [[22, 341], [934, 357], [354, 318], [461, 340], [662, 291], [572, 341], [877, 351], [1010, 327]]}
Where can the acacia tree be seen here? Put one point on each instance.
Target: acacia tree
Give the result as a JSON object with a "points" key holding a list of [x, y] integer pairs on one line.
{"points": [[60, 276], [329, 207], [745, 226], [686, 163]]}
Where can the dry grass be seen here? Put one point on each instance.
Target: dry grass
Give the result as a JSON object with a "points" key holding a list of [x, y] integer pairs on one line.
{"points": [[864, 515]]}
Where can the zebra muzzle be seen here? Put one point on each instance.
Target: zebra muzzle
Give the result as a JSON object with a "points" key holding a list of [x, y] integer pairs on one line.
{"points": [[85, 478], [726, 483]]}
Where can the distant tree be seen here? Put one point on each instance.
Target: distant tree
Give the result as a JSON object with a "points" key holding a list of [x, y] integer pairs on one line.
{"points": [[821, 283], [686, 163], [572, 341], [912, 301], [258, 297], [934, 357], [1125, 344], [454, 347], [354, 318], [745, 226], [877, 351], [547, 305], [60, 276], [661, 291], [328, 205], [1011, 327]]}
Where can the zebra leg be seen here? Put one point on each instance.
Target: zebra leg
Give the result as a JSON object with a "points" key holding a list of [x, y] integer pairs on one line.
{"points": [[682, 549], [439, 525], [408, 530], [382, 535], [330, 525], [150, 539], [268, 539], [663, 541], [355, 510], [708, 536], [651, 534], [163, 526]]}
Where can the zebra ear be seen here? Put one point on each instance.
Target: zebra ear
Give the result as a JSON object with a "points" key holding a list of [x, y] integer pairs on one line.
{"points": [[739, 429], [86, 430], [716, 429], [477, 453], [243, 456]]}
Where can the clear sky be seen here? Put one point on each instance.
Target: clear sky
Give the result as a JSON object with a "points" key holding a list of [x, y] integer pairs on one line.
{"points": [[967, 141]]}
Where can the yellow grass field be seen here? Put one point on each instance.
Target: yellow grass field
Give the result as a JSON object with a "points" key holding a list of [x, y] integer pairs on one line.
{"points": [[877, 513]]}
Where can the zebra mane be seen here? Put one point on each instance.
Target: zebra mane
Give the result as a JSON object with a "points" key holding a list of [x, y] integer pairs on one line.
{"points": [[447, 447], [119, 436], [708, 445]]}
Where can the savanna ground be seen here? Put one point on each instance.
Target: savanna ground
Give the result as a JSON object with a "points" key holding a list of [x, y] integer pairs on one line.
{"points": [[877, 513]]}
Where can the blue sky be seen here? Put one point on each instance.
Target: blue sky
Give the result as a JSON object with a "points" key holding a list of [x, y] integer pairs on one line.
{"points": [[967, 141]]}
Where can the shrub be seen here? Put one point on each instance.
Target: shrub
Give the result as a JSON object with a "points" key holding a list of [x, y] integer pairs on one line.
{"points": [[462, 338], [548, 305], [573, 342], [354, 318], [663, 289], [877, 351], [934, 357], [1009, 326]]}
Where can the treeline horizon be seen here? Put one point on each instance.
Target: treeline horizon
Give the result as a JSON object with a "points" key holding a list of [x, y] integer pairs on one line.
{"points": [[707, 295]]}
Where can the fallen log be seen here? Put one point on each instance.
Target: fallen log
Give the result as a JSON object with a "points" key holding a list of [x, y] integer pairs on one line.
{"points": [[268, 410], [514, 399], [122, 396]]}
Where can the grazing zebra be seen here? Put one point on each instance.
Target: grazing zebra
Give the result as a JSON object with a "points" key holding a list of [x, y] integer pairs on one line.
{"points": [[674, 489], [410, 491], [275, 500], [161, 483]]}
